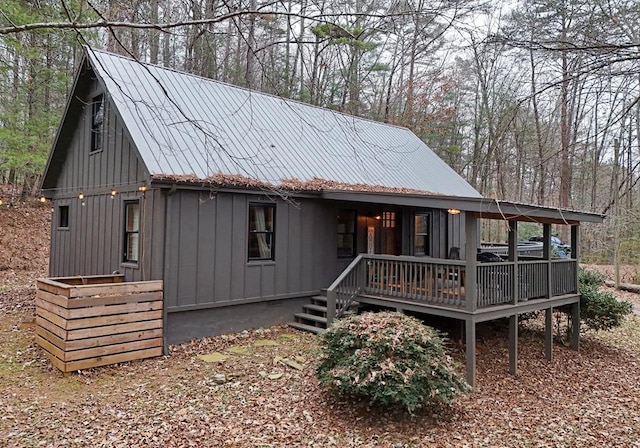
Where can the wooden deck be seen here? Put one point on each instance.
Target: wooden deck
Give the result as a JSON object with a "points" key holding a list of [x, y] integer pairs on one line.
{"points": [[439, 284]]}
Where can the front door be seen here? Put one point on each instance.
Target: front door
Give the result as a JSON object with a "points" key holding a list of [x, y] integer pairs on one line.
{"points": [[391, 237]]}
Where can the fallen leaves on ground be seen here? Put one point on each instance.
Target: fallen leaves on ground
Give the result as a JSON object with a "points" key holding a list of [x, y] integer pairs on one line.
{"points": [[268, 396]]}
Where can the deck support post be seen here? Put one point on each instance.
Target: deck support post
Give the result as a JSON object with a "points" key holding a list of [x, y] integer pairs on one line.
{"points": [[513, 344], [470, 351], [575, 326], [548, 334]]}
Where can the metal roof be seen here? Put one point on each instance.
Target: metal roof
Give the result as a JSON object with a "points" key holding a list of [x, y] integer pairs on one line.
{"points": [[183, 125]]}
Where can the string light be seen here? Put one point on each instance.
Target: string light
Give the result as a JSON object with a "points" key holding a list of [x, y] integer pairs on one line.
{"points": [[0, 201], [81, 196], [42, 199], [113, 193], [453, 211], [142, 188]]}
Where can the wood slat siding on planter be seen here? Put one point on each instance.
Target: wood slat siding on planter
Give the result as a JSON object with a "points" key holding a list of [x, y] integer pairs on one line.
{"points": [[84, 322]]}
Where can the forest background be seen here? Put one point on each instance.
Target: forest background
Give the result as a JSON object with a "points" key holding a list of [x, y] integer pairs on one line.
{"points": [[534, 101]]}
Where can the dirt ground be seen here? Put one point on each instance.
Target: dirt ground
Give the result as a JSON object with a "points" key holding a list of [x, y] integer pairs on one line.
{"points": [[264, 392]]}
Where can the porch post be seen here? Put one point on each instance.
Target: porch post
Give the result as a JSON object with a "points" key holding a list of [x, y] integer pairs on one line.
{"points": [[575, 239], [470, 350], [513, 344], [471, 250], [575, 326], [546, 254], [513, 257], [548, 334]]}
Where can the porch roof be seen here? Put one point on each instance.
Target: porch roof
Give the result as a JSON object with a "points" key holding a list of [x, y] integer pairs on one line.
{"points": [[483, 207]]}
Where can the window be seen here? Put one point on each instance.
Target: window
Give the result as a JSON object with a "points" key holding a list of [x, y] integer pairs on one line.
{"points": [[388, 220], [261, 231], [97, 122], [131, 232], [421, 235], [346, 233], [63, 217]]}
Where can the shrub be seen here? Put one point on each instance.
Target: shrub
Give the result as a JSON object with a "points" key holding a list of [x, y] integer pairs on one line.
{"points": [[588, 277], [389, 359], [599, 310]]}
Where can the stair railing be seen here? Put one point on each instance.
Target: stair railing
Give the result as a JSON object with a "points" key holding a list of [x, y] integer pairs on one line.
{"points": [[344, 290]]}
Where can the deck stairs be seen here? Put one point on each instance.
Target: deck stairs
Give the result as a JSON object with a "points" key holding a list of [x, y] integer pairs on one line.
{"points": [[313, 317]]}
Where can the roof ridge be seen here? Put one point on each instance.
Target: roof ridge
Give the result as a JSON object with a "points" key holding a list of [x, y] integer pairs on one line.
{"points": [[258, 92]]}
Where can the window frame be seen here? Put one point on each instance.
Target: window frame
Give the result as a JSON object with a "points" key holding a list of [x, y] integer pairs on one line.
{"points": [[97, 130], [425, 235], [354, 221], [65, 215], [269, 233], [126, 259]]}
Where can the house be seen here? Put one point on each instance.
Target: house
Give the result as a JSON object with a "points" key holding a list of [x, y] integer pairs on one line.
{"points": [[247, 205]]}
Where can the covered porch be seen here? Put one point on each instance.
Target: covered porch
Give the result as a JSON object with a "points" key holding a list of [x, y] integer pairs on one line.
{"points": [[467, 289]]}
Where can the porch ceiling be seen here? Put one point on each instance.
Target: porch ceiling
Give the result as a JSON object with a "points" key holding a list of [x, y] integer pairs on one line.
{"points": [[483, 207]]}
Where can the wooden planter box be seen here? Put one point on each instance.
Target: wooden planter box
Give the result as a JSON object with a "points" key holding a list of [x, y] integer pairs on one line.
{"points": [[84, 322]]}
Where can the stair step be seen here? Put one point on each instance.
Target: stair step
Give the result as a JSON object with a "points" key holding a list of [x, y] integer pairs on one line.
{"points": [[317, 308], [305, 327], [319, 299], [312, 317]]}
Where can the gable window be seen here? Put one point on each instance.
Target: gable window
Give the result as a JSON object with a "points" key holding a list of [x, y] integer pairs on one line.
{"points": [[131, 231], [421, 235], [97, 122], [63, 217], [261, 231], [346, 233]]}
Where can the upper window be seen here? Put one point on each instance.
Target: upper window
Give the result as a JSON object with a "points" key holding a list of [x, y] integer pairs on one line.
{"points": [[261, 231], [63, 217], [97, 123], [421, 235], [131, 231], [346, 233]]}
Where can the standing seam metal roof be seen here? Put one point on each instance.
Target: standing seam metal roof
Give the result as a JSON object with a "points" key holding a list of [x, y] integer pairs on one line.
{"points": [[183, 124]]}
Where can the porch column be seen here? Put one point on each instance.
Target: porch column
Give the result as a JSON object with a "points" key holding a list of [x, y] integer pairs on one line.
{"points": [[471, 250], [513, 344], [575, 326], [546, 254], [470, 351], [513, 257], [548, 334], [575, 239]]}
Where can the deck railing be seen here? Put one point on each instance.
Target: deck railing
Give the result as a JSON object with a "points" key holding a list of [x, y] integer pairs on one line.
{"points": [[439, 282]]}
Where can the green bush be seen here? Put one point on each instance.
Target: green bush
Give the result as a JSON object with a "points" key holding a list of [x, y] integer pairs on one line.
{"points": [[389, 359], [599, 310], [588, 277]]}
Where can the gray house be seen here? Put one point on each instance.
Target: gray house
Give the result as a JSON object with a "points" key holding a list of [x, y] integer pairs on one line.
{"points": [[248, 206]]}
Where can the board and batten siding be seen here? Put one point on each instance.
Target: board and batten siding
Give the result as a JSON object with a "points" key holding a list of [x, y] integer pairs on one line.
{"points": [[206, 250], [93, 242]]}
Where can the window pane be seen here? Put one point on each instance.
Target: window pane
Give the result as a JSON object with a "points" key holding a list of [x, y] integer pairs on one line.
{"points": [[421, 224], [421, 235], [132, 246], [63, 213], [346, 233], [261, 232], [133, 217]]}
